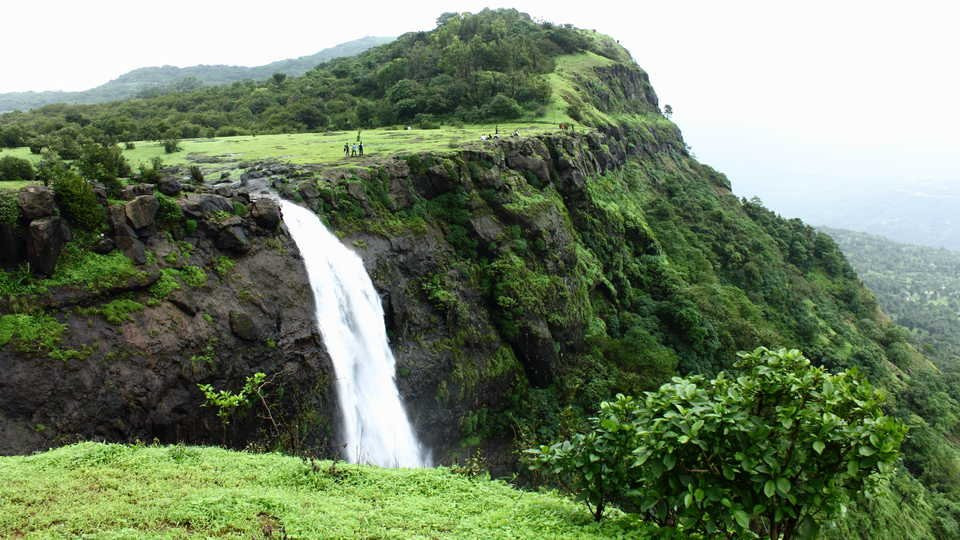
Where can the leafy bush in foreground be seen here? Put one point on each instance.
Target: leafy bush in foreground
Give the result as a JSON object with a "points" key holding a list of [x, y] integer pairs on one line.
{"points": [[773, 449]]}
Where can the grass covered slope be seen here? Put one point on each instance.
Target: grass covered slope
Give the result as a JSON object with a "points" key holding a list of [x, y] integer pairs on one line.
{"points": [[116, 491]]}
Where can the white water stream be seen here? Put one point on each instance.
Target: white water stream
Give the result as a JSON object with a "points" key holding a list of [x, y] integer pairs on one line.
{"points": [[350, 318]]}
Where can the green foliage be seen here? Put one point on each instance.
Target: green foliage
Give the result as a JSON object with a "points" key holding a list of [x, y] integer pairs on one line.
{"points": [[14, 168], [166, 284], [31, 333], [77, 267], [196, 175], [169, 213], [227, 402], [9, 208], [223, 265], [120, 310], [78, 202], [104, 163], [774, 448], [149, 491], [171, 145], [193, 276]]}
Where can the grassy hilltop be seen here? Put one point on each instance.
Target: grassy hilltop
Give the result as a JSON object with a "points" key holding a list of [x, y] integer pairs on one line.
{"points": [[113, 491]]}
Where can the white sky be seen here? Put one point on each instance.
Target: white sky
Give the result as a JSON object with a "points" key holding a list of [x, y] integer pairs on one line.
{"points": [[775, 94]]}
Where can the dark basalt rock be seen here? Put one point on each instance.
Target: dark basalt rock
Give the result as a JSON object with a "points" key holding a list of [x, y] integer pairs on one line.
{"points": [[135, 190], [12, 245], [202, 205], [233, 239], [133, 248], [36, 202], [242, 326], [266, 213], [142, 211], [170, 186], [45, 240]]}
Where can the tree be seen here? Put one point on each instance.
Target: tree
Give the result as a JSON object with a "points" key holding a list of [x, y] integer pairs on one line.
{"points": [[667, 111], [773, 449], [14, 168], [278, 78]]}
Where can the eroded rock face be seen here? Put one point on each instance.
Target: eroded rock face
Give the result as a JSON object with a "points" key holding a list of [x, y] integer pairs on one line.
{"points": [[202, 205], [36, 202], [169, 186], [135, 190], [45, 240], [138, 379]]}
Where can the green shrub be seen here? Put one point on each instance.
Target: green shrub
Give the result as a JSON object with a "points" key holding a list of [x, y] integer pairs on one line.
{"points": [[171, 145], [31, 333], [223, 265], [14, 168], [196, 174], [190, 226], [9, 209], [773, 449], [120, 310], [78, 202], [168, 211], [193, 276]]}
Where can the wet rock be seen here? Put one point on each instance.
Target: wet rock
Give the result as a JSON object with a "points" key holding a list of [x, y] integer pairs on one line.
{"points": [[266, 213], [103, 245], [117, 217], [36, 202], [45, 240], [12, 245], [133, 248], [487, 228], [136, 190], [242, 326], [234, 239], [170, 187], [201, 205]]}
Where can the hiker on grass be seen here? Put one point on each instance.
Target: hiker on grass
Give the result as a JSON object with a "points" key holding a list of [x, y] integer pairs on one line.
{"points": [[360, 146], [346, 149], [353, 149]]}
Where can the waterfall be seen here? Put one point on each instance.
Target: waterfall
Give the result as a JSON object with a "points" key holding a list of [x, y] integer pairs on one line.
{"points": [[350, 318]]}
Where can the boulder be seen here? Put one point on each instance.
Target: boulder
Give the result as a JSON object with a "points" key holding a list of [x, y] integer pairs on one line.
{"points": [[12, 245], [242, 326], [133, 248], [233, 239], [135, 190], [36, 202], [45, 240], [103, 245], [117, 216], [142, 211], [201, 205], [170, 186], [266, 213]]}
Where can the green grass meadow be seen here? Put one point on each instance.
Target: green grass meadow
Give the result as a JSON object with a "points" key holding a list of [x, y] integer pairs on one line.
{"points": [[93, 490]]}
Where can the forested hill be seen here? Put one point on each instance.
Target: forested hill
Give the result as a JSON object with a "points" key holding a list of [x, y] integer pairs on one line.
{"points": [[918, 286], [164, 79], [525, 278], [487, 67]]}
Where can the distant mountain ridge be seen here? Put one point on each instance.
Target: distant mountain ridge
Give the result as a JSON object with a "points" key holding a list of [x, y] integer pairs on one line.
{"points": [[159, 79]]}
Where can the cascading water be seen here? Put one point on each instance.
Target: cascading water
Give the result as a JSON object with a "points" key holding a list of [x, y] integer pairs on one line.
{"points": [[350, 318]]}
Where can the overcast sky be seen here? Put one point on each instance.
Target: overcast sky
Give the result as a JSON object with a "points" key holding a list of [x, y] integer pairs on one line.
{"points": [[839, 95]]}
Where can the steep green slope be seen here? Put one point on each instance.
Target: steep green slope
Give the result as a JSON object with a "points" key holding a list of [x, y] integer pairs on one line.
{"points": [[114, 491], [156, 80]]}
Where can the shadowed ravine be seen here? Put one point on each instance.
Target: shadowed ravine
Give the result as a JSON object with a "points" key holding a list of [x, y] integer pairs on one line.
{"points": [[350, 318]]}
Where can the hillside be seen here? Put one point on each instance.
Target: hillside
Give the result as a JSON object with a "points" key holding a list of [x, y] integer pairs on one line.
{"points": [[190, 492], [524, 278], [163, 79]]}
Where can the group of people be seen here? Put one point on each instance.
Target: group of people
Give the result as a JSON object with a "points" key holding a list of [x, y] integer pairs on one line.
{"points": [[353, 150], [496, 134]]}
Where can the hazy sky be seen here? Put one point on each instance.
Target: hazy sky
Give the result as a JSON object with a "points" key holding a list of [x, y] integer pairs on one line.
{"points": [[778, 95]]}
